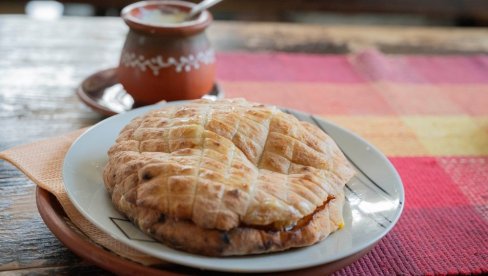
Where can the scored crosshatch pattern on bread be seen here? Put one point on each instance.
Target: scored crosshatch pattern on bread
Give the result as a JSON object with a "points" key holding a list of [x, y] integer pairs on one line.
{"points": [[224, 165]]}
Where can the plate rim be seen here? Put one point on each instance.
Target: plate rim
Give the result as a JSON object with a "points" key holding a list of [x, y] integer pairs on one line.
{"points": [[142, 110]]}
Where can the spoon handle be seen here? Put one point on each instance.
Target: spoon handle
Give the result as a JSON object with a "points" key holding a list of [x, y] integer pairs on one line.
{"points": [[205, 4]]}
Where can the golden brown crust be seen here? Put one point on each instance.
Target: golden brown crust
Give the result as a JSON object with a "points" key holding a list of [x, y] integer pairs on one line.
{"points": [[208, 168], [187, 236]]}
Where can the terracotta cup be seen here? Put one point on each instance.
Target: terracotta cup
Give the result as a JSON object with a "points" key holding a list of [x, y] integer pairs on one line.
{"points": [[163, 57]]}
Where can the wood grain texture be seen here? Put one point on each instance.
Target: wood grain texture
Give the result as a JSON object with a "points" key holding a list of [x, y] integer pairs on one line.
{"points": [[42, 62], [345, 39], [25, 242]]}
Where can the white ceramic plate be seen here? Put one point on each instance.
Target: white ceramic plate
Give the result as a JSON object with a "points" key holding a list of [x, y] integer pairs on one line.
{"points": [[375, 200]]}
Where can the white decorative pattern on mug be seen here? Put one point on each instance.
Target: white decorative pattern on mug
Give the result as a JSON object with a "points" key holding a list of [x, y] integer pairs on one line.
{"points": [[156, 63]]}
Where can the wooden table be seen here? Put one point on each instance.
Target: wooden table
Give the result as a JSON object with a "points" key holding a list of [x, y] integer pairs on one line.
{"points": [[43, 61]]}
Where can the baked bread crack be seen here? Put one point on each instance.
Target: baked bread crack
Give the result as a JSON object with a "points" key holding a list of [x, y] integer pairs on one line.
{"points": [[228, 177]]}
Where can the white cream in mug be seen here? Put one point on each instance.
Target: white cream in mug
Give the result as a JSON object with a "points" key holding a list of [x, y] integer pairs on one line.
{"points": [[162, 16]]}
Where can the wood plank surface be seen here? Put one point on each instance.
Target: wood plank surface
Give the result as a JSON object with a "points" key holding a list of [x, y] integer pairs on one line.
{"points": [[344, 39], [42, 62]]}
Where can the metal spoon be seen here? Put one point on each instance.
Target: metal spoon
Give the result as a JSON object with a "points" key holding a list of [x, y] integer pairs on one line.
{"points": [[205, 4]]}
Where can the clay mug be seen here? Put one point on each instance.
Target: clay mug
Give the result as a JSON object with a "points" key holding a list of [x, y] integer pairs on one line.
{"points": [[165, 57]]}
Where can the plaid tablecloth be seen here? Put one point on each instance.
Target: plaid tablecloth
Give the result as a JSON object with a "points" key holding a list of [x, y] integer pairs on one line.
{"points": [[428, 114]]}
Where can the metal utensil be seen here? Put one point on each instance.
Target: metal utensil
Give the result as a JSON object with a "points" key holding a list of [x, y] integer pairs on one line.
{"points": [[205, 4]]}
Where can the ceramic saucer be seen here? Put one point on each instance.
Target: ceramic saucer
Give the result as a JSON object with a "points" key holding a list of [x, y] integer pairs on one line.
{"points": [[104, 94]]}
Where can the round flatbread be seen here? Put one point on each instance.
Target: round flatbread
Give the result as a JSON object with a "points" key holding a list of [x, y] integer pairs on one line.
{"points": [[228, 177]]}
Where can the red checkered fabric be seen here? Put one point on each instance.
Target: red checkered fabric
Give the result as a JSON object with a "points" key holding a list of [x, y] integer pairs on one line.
{"points": [[428, 114]]}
